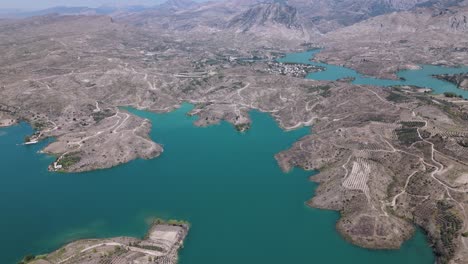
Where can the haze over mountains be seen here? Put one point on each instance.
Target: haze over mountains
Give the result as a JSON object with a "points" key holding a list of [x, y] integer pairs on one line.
{"points": [[310, 15], [302, 20], [34, 5]]}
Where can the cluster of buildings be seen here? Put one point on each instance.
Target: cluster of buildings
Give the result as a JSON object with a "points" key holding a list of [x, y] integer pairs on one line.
{"points": [[294, 70]]}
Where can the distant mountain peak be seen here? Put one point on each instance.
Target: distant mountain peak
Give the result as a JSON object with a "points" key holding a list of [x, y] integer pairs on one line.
{"points": [[179, 4], [267, 13]]}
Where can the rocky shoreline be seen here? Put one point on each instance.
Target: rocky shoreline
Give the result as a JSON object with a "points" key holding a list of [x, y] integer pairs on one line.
{"points": [[160, 245], [460, 80], [379, 174]]}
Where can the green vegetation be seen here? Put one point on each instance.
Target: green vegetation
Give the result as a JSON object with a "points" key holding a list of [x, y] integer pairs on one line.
{"points": [[449, 224], [413, 124], [98, 116], [118, 249], [62, 251], [452, 95], [242, 127], [396, 97], [28, 258], [322, 90], [211, 62], [152, 247], [177, 222], [69, 160], [463, 143], [453, 112], [38, 125], [407, 135], [159, 221]]}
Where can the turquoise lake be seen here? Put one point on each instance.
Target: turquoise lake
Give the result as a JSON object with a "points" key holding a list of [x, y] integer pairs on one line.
{"points": [[421, 78], [242, 208]]}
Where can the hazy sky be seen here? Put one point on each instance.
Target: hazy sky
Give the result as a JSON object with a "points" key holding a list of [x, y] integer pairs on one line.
{"points": [[38, 4]]}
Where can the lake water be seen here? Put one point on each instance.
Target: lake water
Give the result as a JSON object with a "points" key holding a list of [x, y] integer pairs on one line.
{"points": [[421, 78], [242, 208]]}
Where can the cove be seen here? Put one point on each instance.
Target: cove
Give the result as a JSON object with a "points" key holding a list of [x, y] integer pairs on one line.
{"points": [[242, 208], [421, 78]]}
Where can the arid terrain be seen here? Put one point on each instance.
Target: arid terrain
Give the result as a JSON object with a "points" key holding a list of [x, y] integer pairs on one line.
{"points": [[382, 45], [389, 159], [460, 80], [160, 245]]}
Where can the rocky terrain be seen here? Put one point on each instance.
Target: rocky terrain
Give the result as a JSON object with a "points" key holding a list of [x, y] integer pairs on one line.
{"points": [[385, 44], [328, 16], [261, 14], [398, 158], [160, 245], [388, 158], [460, 80]]}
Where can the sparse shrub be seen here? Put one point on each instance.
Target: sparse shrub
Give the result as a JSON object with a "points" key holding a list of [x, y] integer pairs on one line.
{"points": [[69, 160], [27, 258], [451, 95]]}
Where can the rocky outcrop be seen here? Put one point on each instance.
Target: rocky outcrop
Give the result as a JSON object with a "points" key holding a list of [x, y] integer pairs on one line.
{"points": [[460, 80], [328, 15], [266, 14], [459, 23], [382, 45]]}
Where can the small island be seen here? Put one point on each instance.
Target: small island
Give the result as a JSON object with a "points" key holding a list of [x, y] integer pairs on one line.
{"points": [[160, 245]]}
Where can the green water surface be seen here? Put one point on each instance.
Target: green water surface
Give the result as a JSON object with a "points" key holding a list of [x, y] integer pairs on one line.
{"points": [[242, 208]]}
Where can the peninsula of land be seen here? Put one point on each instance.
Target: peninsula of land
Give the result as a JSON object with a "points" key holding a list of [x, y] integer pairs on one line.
{"points": [[160, 245]]}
